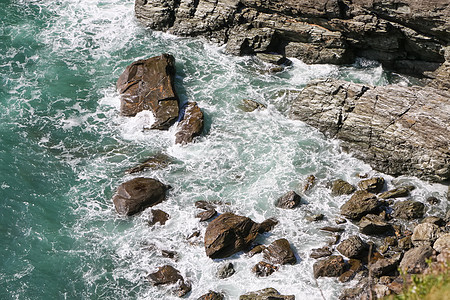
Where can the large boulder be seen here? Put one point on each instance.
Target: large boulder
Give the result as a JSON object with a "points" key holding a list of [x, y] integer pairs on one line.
{"points": [[442, 243], [148, 84], [397, 130], [229, 234], [280, 252], [360, 204], [137, 194], [191, 125]]}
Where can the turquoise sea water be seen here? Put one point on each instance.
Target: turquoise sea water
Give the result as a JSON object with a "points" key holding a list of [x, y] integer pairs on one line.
{"points": [[64, 149]]}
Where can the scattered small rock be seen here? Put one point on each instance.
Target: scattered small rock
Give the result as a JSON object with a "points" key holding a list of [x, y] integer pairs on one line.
{"points": [[249, 105], [352, 247], [332, 266], [433, 200], [425, 234], [288, 201], [310, 180], [332, 229], [255, 250], [340, 187], [202, 204], [158, 161], [434, 220], [158, 216], [225, 271], [340, 221], [405, 243], [372, 185], [263, 269], [315, 218], [273, 58]]}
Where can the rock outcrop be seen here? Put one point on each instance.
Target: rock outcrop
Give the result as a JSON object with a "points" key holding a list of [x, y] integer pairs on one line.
{"points": [[407, 35], [148, 84], [397, 130]]}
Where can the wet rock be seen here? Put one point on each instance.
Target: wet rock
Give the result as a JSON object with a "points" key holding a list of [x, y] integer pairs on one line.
{"points": [[408, 209], [395, 193], [148, 84], [355, 265], [332, 229], [266, 294], [137, 194], [360, 204], [267, 225], [229, 234], [332, 266], [158, 216], [206, 215], [340, 221], [373, 224], [425, 234], [195, 234], [320, 252], [433, 200], [414, 260], [169, 254], [315, 218], [249, 105], [158, 161], [191, 125], [276, 59], [385, 266], [225, 271], [169, 275], [442, 243], [263, 269], [288, 201], [212, 296], [256, 250], [352, 247], [372, 185], [204, 205], [340, 187], [388, 127], [280, 252], [310, 180]]}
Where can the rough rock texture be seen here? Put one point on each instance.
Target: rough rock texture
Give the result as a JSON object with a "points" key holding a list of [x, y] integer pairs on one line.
{"points": [[280, 252], [149, 85], [408, 209], [191, 125], [395, 193], [361, 203], [158, 216], [266, 294], [408, 35], [340, 187], [385, 266], [414, 260], [332, 266], [263, 269], [397, 130], [425, 234], [158, 161], [249, 105], [320, 252], [442, 243], [374, 224], [229, 234], [352, 247], [206, 215], [373, 185], [225, 270], [169, 275], [288, 201], [137, 194], [211, 296]]}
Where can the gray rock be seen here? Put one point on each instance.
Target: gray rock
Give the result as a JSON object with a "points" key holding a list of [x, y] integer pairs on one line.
{"points": [[405, 243], [149, 85], [373, 224], [225, 271], [372, 185], [434, 220], [442, 243], [414, 260], [340, 187], [397, 130], [360, 204], [332, 266], [353, 247], [137, 194], [266, 294], [288, 201], [408, 209], [425, 234], [191, 125]]}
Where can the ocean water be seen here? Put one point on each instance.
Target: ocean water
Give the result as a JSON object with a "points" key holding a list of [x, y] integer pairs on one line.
{"points": [[64, 149]]}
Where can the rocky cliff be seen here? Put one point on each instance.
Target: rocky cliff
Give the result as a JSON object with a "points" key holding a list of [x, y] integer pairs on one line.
{"points": [[405, 35]]}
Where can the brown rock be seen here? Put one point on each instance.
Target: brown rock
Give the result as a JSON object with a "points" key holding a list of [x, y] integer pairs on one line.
{"points": [[288, 201], [229, 234], [280, 252], [204, 205], [149, 85], [332, 229], [169, 275], [158, 216], [191, 125], [309, 183], [249, 105], [332, 266], [266, 294], [158, 161], [267, 225], [206, 215], [442, 243], [414, 260], [263, 269], [361, 203], [352, 247], [373, 224], [372, 185], [137, 194], [320, 252], [395, 193], [355, 266], [255, 250], [425, 234], [340, 187], [385, 266], [212, 296], [408, 209]]}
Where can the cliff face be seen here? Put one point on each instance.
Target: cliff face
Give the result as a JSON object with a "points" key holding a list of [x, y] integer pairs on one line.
{"points": [[405, 35]]}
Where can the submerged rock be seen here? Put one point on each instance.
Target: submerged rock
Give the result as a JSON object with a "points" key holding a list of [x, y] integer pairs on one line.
{"points": [[225, 271], [148, 84], [249, 105], [360, 204], [137, 194], [310, 181], [158, 161], [266, 294], [288, 201], [191, 125]]}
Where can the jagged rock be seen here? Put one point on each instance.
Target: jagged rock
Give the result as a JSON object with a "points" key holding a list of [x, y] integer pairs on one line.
{"points": [[158, 161], [288, 201], [204, 205], [212, 296], [372, 185], [352, 247], [255, 250], [225, 271], [169, 275], [191, 125], [414, 260], [310, 180], [158, 216], [395, 193], [137, 194], [360, 204], [249, 105], [373, 224], [280, 252], [263, 269], [149, 85], [266, 294], [355, 266], [405, 243], [320, 252], [397, 130], [267, 225], [385, 266], [425, 234], [332, 266], [408, 209], [442, 243], [229, 234], [206, 215], [340, 187]]}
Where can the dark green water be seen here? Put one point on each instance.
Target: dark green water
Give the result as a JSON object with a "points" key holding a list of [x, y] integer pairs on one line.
{"points": [[64, 149]]}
